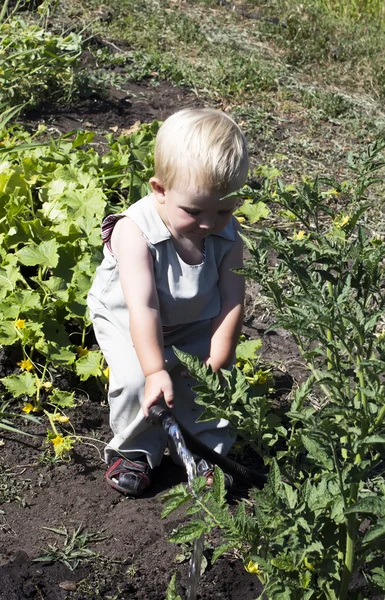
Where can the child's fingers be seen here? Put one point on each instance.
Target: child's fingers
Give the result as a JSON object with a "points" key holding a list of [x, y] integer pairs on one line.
{"points": [[168, 395]]}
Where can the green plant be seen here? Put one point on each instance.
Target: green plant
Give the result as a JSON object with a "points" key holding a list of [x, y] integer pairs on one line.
{"points": [[75, 549], [320, 518], [53, 197], [35, 64]]}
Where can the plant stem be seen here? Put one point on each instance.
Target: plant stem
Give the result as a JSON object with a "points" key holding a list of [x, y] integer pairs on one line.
{"points": [[329, 333], [51, 421], [351, 532], [361, 381]]}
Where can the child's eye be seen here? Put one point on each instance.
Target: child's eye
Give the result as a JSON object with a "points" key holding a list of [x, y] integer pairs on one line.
{"points": [[193, 213]]}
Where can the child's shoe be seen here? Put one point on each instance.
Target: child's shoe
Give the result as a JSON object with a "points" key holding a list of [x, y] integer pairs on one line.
{"points": [[131, 477], [206, 469]]}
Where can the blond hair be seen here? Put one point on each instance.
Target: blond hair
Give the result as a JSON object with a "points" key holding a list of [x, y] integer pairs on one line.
{"points": [[204, 147]]}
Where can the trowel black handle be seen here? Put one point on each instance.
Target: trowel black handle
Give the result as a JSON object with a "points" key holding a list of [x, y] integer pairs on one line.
{"points": [[157, 414]]}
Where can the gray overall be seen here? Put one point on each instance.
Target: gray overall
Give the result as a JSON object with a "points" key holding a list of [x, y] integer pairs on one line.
{"points": [[188, 298]]}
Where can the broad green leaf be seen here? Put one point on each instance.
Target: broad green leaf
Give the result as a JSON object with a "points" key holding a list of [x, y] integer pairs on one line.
{"points": [[254, 212], [248, 349], [44, 254], [20, 385], [8, 333], [62, 399], [89, 365]]}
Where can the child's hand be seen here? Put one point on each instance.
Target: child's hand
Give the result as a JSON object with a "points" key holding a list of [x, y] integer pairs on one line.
{"points": [[158, 385]]}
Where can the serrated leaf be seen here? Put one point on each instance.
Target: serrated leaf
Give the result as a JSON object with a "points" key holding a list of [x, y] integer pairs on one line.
{"points": [[372, 505], [274, 478], [375, 532], [317, 452], [378, 576], [62, 399], [220, 550], [20, 385], [218, 486], [188, 532], [254, 212], [173, 504], [89, 365], [8, 334], [248, 349]]}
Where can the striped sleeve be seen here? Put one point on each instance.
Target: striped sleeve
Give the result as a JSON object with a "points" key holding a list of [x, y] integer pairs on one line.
{"points": [[107, 229]]}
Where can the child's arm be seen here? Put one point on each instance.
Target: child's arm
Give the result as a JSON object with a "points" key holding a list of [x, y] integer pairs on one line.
{"points": [[138, 284], [227, 326]]}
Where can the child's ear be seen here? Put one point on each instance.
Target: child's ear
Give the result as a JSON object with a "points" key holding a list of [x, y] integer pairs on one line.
{"points": [[158, 189]]}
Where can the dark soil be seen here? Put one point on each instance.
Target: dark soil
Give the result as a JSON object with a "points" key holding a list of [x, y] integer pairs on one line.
{"points": [[117, 110], [135, 560]]}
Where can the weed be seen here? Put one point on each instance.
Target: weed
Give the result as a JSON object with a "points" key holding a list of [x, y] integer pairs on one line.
{"points": [[12, 489], [75, 548]]}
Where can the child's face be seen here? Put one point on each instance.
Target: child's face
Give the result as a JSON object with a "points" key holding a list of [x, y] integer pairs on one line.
{"points": [[194, 213]]}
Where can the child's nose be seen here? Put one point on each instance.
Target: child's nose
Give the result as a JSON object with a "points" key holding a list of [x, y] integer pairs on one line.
{"points": [[207, 222]]}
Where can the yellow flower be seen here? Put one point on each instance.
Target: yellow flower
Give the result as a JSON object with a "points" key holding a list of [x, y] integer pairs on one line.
{"points": [[299, 235], [62, 445], [57, 441], [20, 323], [106, 372], [82, 351], [341, 221], [253, 567], [27, 408], [25, 365], [60, 419], [241, 219]]}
